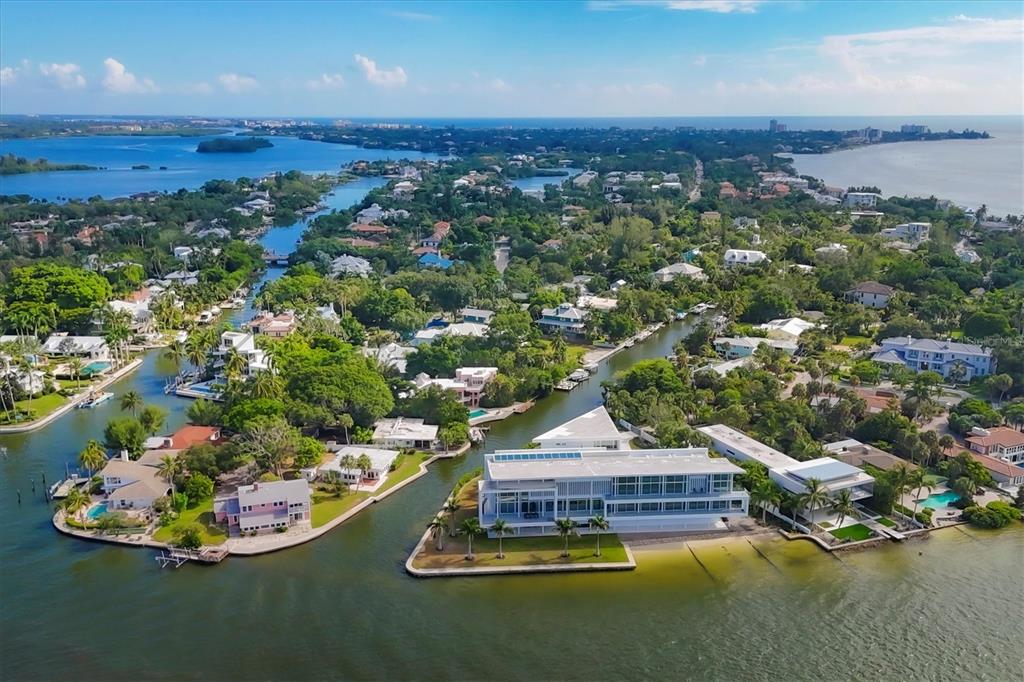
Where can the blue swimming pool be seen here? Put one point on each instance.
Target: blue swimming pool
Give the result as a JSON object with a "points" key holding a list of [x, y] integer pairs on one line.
{"points": [[477, 413], [96, 511], [95, 367], [939, 500]]}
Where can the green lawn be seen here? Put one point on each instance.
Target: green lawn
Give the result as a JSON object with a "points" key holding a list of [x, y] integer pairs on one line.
{"points": [[850, 340], [852, 533], [327, 506], [212, 533], [43, 405], [526, 551], [888, 523]]}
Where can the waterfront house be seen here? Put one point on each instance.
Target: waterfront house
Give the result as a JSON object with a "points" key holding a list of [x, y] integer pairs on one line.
{"points": [[405, 433], [1000, 442], [333, 470], [265, 506], [590, 430], [870, 294], [938, 356], [564, 319], [142, 317], [671, 272], [468, 384], [131, 485], [1007, 476], [245, 345], [855, 453], [85, 347], [789, 473], [912, 233], [637, 491], [734, 257], [184, 438]]}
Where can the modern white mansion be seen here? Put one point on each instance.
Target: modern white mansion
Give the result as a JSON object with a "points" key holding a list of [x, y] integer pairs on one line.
{"points": [[636, 491]]}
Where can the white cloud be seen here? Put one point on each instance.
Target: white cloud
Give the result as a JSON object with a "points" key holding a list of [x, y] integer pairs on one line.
{"points": [[716, 6], [498, 85], [65, 76], [8, 75], [395, 77], [326, 81], [237, 84], [413, 16], [700, 60], [118, 79]]}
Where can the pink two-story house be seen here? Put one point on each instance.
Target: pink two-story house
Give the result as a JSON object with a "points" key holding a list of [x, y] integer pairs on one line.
{"points": [[265, 507]]}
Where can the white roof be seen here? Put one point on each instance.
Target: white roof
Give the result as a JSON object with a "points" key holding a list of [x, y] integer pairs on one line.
{"points": [[596, 424], [79, 344], [380, 459], [563, 463], [745, 445], [745, 256], [404, 428], [597, 303], [792, 326], [679, 269]]}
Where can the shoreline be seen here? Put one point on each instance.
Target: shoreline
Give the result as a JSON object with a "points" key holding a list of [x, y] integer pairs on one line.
{"points": [[72, 402]]}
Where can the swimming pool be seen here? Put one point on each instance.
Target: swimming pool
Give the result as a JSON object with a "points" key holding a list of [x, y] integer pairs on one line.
{"points": [[939, 500], [95, 367], [96, 511], [477, 413]]}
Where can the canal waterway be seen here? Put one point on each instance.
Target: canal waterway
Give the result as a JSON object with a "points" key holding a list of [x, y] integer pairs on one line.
{"points": [[343, 607]]}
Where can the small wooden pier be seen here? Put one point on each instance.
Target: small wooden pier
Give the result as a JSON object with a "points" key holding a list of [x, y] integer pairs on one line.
{"points": [[177, 556]]}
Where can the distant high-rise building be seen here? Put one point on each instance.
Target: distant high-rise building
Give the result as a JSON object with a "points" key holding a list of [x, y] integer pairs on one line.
{"points": [[914, 129], [775, 127]]}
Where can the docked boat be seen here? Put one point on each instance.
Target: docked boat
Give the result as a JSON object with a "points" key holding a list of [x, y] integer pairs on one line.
{"points": [[94, 399], [700, 308]]}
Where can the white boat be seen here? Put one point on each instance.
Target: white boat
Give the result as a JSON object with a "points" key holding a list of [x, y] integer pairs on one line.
{"points": [[94, 399], [700, 308], [205, 317]]}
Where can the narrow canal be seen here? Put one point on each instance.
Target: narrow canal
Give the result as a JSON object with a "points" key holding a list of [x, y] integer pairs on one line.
{"points": [[342, 606]]}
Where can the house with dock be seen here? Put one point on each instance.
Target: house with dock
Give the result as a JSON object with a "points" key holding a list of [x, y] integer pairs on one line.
{"points": [[405, 433], [265, 506], [129, 485]]}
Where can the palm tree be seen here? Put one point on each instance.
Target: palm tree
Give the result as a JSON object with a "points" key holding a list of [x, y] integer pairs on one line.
{"points": [[348, 462], [75, 502], [470, 528], [176, 353], [899, 478], [796, 504], [264, 385], [234, 364], [364, 463], [957, 372], [566, 528], [766, 494], [437, 527], [346, 422], [169, 467], [598, 523], [75, 365], [449, 507], [196, 352], [92, 457], [814, 497], [919, 481], [843, 505], [500, 527], [131, 402]]}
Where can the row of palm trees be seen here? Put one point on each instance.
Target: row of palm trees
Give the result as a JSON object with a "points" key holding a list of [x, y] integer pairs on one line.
{"points": [[470, 528], [767, 494]]}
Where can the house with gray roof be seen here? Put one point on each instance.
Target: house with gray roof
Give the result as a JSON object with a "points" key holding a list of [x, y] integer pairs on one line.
{"points": [[265, 506], [937, 356]]}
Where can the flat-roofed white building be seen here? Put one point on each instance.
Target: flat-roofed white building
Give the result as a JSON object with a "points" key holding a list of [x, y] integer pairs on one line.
{"points": [[636, 491], [594, 429], [380, 463], [734, 257], [405, 432], [89, 347]]}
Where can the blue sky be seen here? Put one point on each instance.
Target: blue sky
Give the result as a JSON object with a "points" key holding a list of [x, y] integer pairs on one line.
{"points": [[597, 58]]}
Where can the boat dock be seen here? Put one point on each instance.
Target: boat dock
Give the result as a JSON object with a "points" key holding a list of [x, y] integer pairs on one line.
{"points": [[177, 556], [61, 489]]}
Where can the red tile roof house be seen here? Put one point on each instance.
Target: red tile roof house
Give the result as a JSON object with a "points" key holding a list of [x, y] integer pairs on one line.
{"points": [[1000, 442], [1006, 475], [369, 229], [275, 326]]}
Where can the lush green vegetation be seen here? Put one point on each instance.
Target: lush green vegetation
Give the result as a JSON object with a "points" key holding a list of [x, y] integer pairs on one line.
{"points": [[852, 533], [201, 515], [232, 145], [15, 165]]}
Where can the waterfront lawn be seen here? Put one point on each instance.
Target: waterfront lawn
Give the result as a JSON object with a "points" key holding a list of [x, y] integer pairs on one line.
{"points": [[888, 523], [409, 466], [328, 506], [212, 533], [852, 533], [519, 551], [41, 406]]}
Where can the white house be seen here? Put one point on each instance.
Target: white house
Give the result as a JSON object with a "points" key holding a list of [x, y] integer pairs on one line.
{"points": [[405, 433], [427, 336], [390, 355], [350, 265], [913, 233], [380, 464], [671, 272], [732, 347], [564, 318], [594, 429], [1001, 442], [861, 199], [870, 294], [937, 356], [131, 485], [636, 491], [245, 345], [735, 257], [87, 347], [588, 302], [786, 328]]}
